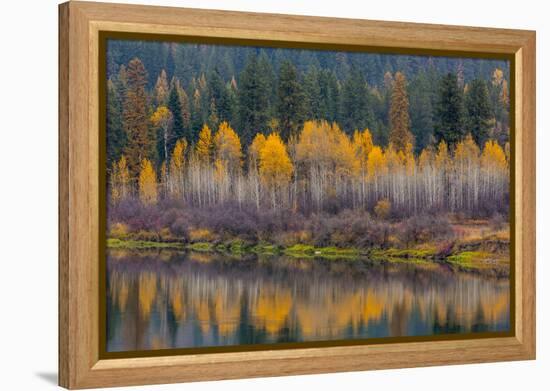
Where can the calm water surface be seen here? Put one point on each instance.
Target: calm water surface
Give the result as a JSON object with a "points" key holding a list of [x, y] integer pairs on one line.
{"points": [[165, 299]]}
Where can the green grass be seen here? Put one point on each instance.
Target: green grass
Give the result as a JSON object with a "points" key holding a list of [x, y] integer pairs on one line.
{"points": [[466, 260], [141, 244], [404, 253], [300, 249], [266, 249], [201, 246], [308, 251], [471, 259]]}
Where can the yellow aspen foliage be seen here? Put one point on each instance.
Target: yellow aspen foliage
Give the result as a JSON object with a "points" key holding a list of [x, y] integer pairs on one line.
{"points": [[160, 116], [498, 76], [120, 180], [255, 148], [115, 189], [315, 144], [177, 163], [146, 293], [426, 158], [161, 119], [376, 163], [147, 183], [442, 159], [493, 156], [343, 153], [394, 159], [305, 146], [220, 170], [204, 145], [228, 147], [178, 156], [275, 165], [362, 144], [466, 150], [382, 208]]}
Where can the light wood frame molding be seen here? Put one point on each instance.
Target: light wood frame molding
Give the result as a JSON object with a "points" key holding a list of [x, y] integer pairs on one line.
{"points": [[79, 27]]}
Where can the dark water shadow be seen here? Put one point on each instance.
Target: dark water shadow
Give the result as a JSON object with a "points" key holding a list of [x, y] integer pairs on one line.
{"points": [[48, 377]]}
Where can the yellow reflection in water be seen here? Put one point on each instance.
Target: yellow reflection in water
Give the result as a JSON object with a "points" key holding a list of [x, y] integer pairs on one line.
{"points": [[304, 308]]}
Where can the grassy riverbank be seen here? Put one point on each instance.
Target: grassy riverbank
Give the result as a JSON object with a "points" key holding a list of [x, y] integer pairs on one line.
{"points": [[459, 256]]}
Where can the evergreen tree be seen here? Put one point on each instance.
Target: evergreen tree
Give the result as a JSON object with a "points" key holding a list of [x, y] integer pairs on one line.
{"points": [[400, 134], [312, 89], [478, 111], [253, 97], [116, 139], [170, 63], [450, 111], [174, 105], [197, 117], [219, 99], [356, 112], [291, 108], [421, 111], [265, 69], [329, 101], [185, 108]]}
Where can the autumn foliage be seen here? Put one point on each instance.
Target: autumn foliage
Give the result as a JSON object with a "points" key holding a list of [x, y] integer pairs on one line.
{"points": [[321, 169]]}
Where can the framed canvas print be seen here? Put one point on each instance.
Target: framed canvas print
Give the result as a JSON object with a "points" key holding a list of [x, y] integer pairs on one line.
{"points": [[248, 195]]}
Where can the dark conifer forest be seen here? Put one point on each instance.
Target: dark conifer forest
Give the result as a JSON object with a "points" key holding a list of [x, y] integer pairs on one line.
{"points": [[272, 135]]}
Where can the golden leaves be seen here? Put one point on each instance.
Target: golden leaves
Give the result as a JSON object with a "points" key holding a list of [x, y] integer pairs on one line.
{"points": [[275, 165], [148, 193]]}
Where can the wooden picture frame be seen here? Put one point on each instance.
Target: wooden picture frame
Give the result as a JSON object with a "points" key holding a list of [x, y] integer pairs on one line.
{"points": [[80, 24]]}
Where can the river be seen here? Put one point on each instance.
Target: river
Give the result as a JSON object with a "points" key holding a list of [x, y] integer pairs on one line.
{"points": [[160, 299]]}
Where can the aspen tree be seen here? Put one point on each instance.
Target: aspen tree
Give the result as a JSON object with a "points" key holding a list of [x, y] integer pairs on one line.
{"points": [[147, 183]]}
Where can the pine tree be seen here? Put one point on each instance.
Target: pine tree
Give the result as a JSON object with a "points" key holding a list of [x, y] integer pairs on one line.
{"points": [[329, 100], [253, 97], [450, 111], [400, 134], [174, 105], [421, 111], [312, 89], [219, 99], [116, 138], [290, 105], [197, 117], [356, 111], [478, 111]]}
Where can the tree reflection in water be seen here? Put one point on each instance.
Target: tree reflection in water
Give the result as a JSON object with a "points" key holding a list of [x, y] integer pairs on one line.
{"points": [[165, 299]]}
